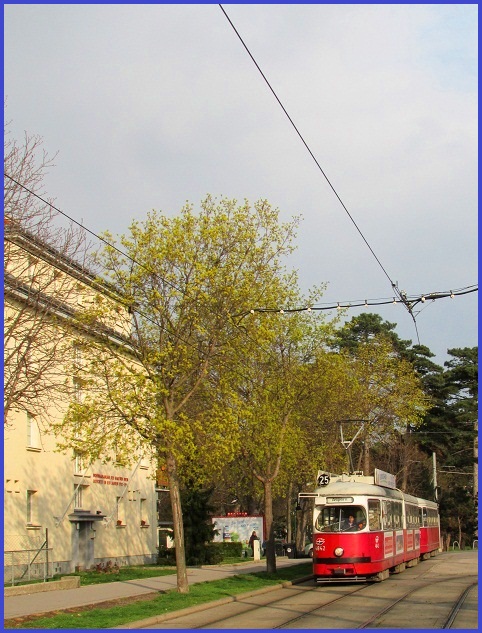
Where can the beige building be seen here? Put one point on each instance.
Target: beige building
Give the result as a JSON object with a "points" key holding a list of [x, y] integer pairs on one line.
{"points": [[89, 513]]}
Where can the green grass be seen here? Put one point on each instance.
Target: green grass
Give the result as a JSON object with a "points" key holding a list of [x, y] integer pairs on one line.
{"points": [[199, 593], [133, 572]]}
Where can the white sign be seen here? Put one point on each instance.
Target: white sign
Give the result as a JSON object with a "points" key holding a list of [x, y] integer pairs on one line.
{"points": [[385, 479]]}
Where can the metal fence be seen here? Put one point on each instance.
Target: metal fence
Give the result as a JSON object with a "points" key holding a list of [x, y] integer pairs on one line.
{"points": [[27, 558]]}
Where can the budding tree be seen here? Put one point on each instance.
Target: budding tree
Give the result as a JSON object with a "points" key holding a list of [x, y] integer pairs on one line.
{"points": [[183, 279], [36, 249]]}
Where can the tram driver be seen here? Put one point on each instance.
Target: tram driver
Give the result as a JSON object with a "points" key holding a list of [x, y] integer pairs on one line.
{"points": [[349, 524]]}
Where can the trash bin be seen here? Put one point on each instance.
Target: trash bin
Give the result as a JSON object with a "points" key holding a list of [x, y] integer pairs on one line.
{"points": [[291, 550]]}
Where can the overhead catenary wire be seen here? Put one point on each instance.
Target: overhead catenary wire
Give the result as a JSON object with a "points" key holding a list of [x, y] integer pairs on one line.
{"points": [[307, 147], [413, 300], [149, 270], [410, 301], [393, 284]]}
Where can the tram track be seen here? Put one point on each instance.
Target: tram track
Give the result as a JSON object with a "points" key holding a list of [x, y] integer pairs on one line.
{"points": [[450, 618], [399, 602], [458, 606], [320, 610]]}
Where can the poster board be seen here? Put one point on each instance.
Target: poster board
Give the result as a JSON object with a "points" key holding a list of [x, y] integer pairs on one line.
{"points": [[238, 529]]}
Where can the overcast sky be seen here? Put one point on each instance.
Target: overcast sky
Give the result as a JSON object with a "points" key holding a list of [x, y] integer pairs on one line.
{"points": [[152, 105]]}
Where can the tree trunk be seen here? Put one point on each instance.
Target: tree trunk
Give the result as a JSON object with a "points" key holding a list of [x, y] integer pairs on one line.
{"points": [[268, 517], [300, 530], [175, 496]]}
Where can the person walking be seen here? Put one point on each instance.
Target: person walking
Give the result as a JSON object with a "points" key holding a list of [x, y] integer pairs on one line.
{"points": [[254, 537]]}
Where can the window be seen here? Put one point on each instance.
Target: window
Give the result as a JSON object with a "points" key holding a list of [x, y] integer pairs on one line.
{"points": [[144, 517], [392, 515], [120, 516], [79, 497], [79, 465], [337, 519], [77, 356], [33, 433], [413, 520], [79, 393], [31, 507], [145, 463], [374, 515]]}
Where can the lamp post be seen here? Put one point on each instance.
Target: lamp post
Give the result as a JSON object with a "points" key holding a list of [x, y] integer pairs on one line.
{"points": [[297, 509]]}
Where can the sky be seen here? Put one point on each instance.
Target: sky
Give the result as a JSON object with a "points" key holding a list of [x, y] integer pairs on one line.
{"points": [[153, 105]]}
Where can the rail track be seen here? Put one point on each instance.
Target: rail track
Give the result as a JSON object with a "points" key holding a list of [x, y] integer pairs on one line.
{"points": [[429, 602]]}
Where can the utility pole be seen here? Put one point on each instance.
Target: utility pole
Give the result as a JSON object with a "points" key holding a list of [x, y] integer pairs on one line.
{"points": [[434, 459]]}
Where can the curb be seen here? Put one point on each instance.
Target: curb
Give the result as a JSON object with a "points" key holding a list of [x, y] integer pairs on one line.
{"points": [[71, 582], [157, 619]]}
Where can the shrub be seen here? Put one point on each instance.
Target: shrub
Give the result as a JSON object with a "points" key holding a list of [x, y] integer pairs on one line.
{"points": [[230, 550], [214, 554], [166, 555]]}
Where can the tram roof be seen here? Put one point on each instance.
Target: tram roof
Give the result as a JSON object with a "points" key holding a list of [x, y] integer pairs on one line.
{"points": [[357, 488], [357, 484]]}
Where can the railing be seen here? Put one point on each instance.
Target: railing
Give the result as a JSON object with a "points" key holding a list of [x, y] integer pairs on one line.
{"points": [[475, 544], [454, 543], [25, 563]]}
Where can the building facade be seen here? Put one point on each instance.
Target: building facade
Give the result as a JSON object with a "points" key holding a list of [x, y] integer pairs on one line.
{"points": [[82, 514]]}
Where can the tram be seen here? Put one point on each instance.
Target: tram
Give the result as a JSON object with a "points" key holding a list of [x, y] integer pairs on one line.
{"points": [[364, 528]]}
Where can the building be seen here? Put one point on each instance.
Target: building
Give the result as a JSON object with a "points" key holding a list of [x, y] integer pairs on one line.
{"points": [[60, 511]]}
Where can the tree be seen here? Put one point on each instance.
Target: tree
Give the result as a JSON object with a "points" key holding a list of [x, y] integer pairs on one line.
{"points": [[390, 397], [363, 328], [198, 527], [279, 379], [450, 431], [183, 278], [36, 251]]}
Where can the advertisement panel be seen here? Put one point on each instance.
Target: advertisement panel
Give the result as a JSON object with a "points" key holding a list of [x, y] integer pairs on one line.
{"points": [[238, 528]]}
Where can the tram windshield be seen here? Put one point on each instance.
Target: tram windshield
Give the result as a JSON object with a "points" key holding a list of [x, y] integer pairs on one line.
{"points": [[341, 519]]}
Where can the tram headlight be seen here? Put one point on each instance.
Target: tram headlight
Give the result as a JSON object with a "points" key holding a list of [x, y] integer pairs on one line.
{"points": [[339, 551]]}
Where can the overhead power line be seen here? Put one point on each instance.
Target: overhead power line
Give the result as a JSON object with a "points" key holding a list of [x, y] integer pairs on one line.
{"points": [[394, 285], [412, 300], [149, 270], [307, 147]]}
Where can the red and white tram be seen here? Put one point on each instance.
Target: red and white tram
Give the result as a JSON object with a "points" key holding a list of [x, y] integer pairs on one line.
{"points": [[364, 527]]}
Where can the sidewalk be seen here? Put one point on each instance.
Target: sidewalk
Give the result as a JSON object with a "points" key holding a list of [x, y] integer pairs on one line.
{"points": [[43, 602]]}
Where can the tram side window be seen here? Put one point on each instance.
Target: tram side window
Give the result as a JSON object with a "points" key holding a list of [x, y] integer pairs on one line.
{"points": [[423, 513], [397, 515], [374, 515], [432, 517], [387, 515], [413, 520]]}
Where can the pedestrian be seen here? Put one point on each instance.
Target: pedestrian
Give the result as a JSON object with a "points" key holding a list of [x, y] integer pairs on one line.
{"points": [[252, 539]]}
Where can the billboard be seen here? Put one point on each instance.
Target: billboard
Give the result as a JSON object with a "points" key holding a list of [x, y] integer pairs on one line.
{"points": [[238, 528]]}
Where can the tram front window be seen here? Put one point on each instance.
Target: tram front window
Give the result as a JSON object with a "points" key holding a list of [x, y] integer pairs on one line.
{"points": [[341, 519]]}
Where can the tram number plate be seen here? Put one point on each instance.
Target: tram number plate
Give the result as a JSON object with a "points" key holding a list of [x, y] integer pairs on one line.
{"points": [[323, 479]]}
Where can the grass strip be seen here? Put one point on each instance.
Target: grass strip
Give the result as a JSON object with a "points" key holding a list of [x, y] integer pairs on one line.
{"points": [[199, 593]]}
